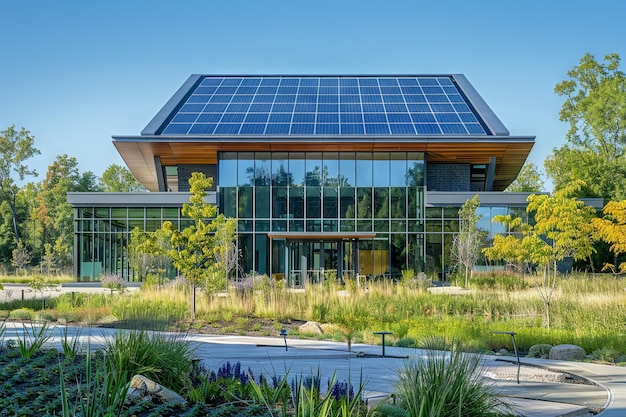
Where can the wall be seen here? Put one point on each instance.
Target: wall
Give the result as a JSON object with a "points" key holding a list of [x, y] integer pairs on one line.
{"points": [[448, 177]]}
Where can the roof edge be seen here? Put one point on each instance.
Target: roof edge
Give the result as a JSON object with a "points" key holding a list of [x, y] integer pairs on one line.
{"points": [[493, 123], [159, 121]]}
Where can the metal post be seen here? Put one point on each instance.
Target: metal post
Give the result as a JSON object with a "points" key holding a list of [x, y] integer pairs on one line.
{"points": [[512, 334], [283, 333]]}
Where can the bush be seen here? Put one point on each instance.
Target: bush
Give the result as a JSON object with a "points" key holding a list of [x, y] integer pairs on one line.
{"points": [[406, 342], [21, 314], [163, 358], [540, 351], [445, 383], [606, 354]]}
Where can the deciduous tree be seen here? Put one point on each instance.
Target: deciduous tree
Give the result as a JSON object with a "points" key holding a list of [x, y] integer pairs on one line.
{"points": [[595, 110], [194, 248], [562, 229], [612, 229], [466, 244], [119, 179], [527, 181], [15, 148]]}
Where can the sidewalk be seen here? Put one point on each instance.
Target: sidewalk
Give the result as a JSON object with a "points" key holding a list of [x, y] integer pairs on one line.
{"points": [[540, 393]]}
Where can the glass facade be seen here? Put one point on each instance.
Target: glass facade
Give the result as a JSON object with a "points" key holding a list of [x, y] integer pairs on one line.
{"points": [[442, 223], [318, 192], [102, 235]]}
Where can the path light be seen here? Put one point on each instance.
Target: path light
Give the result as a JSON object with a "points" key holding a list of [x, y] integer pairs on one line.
{"points": [[512, 334], [283, 333]]}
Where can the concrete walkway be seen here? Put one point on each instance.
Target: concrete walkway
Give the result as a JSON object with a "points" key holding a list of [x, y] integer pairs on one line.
{"points": [[541, 392]]}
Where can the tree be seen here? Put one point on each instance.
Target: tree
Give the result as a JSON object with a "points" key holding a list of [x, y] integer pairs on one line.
{"points": [[119, 179], [194, 248], [149, 252], [528, 180], [15, 148], [466, 244], [595, 109], [612, 229], [508, 247], [21, 257], [52, 214], [562, 229]]}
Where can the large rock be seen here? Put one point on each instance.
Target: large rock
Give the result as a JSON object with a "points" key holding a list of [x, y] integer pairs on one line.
{"points": [[567, 353], [146, 389], [311, 327]]}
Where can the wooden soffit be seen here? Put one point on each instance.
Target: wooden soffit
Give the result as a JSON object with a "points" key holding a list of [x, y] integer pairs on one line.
{"points": [[510, 153]]}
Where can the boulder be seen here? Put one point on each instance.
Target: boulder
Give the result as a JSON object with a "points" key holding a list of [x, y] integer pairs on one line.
{"points": [[311, 327], [541, 351], [567, 353], [147, 390]]}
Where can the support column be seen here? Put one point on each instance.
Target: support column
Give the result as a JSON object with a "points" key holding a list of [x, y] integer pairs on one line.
{"points": [[339, 261], [287, 263]]}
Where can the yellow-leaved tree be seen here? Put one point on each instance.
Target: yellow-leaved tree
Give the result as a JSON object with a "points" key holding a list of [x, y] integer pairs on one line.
{"points": [[563, 228], [612, 229]]}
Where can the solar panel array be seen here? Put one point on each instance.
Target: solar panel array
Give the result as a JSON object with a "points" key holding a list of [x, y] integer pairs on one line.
{"points": [[289, 105]]}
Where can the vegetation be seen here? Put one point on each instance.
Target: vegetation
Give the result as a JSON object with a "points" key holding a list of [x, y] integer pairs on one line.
{"points": [[595, 93], [584, 311], [466, 244], [529, 180], [445, 383], [49, 382], [197, 251]]}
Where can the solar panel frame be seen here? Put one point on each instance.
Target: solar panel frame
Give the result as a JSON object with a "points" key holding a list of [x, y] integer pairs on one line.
{"points": [[325, 105]]}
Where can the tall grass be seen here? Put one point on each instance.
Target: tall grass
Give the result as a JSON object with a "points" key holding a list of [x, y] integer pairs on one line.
{"points": [[445, 383], [586, 310]]}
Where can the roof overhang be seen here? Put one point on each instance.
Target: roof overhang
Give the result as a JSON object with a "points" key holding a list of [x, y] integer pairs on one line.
{"points": [[138, 152]]}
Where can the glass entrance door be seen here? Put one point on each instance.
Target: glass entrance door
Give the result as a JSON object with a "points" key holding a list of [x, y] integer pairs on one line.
{"points": [[316, 261]]}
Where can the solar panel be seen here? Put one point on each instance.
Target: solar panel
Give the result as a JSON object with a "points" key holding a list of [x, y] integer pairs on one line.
{"points": [[325, 105]]}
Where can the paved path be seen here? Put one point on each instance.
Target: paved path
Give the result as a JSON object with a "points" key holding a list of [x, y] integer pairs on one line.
{"points": [[24, 292], [538, 394]]}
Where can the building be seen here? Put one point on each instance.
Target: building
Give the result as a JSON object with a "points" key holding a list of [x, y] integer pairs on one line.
{"points": [[324, 174]]}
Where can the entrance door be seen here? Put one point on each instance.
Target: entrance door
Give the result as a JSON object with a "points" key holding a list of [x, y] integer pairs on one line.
{"points": [[316, 261]]}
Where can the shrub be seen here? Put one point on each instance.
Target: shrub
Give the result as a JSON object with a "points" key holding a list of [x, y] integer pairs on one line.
{"points": [[406, 342], [445, 383], [163, 358], [540, 351], [21, 314], [113, 283], [605, 354]]}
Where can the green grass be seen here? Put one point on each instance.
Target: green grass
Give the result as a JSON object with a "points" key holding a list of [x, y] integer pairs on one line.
{"points": [[588, 310]]}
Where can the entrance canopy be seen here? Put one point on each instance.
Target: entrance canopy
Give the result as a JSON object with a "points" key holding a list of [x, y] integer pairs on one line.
{"points": [[321, 235]]}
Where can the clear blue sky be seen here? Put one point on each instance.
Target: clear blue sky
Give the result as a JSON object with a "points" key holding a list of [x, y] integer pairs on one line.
{"points": [[76, 72]]}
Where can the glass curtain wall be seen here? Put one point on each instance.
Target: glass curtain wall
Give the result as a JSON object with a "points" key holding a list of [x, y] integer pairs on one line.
{"points": [[378, 192], [442, 223], [102, 235]]}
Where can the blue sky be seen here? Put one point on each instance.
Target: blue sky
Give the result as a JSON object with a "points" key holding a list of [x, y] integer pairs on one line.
{"points": [[76, 72]]}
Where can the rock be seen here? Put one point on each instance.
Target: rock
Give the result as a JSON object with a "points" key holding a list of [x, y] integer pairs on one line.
{"points": [[567, 353], [502, 352], [311, 327], [541, 351], [145, 389]]}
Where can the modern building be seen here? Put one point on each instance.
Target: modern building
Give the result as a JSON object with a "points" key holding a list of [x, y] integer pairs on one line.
{"points": [[347, 174]]}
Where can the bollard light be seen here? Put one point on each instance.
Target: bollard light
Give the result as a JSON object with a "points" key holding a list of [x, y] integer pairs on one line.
{"points": [[512, 334], [283, 333]]}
